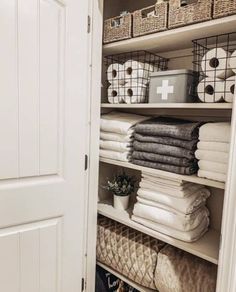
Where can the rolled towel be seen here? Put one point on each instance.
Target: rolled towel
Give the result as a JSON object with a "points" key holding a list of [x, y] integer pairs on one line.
{"points": [[214, 156], [117, 137], [215, 132], [212, 175], [214, 146], [120, 123], [175, 221], [187, 236], [213, 166], [185, 205], [115, 155], [115, 146]]}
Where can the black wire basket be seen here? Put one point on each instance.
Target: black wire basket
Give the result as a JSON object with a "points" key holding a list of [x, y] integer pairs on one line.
{"points": [[215, 61], [128, 75]]}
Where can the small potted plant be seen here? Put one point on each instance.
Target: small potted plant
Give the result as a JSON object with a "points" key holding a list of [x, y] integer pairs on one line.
{"points": [[122, 186]]}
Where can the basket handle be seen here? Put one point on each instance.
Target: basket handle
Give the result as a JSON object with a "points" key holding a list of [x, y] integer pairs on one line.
{"points": [[149, 8], [184, 3], [116, 21]]}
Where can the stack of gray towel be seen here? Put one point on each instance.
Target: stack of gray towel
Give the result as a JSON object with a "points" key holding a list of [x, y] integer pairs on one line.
{"points": [[166, 144]]}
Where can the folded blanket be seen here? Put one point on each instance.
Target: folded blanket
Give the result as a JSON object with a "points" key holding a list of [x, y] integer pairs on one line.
{"points": [[187, 236], [163, 149], [186, 170], [185, 205], [214, 156], [191, 145], [212, 175], [215, 132], [164, 217], [161, 158], [214, 146], [121, 156], [213, 166], [117, 137], [120, 123], [163, 180], [168, 127], [115, 146]]}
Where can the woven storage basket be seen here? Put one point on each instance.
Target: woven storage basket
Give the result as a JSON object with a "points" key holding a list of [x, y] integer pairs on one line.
{"points": [[121, 31], [143, 24], [224, 8], [200, 10]]}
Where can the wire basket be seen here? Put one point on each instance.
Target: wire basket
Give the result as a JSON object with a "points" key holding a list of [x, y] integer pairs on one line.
{"points": [[215, 61], [128, 75]]}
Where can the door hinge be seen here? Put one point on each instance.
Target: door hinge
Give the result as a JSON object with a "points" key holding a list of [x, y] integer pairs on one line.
{"points": [[89, 24], [86, 162], [82, 284]]}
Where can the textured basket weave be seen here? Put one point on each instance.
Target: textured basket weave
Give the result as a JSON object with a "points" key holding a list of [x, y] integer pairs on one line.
{"points": [[129, 252], [144, 25], [198, 11], [224, 8], [122, 31]]}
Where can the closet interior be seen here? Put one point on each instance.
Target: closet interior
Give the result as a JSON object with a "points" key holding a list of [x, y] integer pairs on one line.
{"points": [[176, 46]]}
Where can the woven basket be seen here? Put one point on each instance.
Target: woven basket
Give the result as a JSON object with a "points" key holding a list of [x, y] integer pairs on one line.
{"points": [[143, 24], [200, 10], [224, 8], [115, 32]]}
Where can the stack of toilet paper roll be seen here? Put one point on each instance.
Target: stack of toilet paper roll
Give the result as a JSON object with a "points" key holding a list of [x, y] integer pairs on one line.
{"points": [[220, 67], [128, 82]]}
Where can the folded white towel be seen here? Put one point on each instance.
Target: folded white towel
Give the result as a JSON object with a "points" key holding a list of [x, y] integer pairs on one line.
{"points": [[213, 166], [215, 156], [215, 132], [163, 181], [115, 146], [185, 205], [177, 192], [164, 217], [214, 146], [189, 236], [120, 123], [115, 155], [155, 185], [212, 175], [117, 137]]}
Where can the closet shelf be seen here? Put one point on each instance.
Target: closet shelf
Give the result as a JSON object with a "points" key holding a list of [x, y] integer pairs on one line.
{"points": [[165, 174], [123, 278], [174, 39], [218, 106], [206, 248]]}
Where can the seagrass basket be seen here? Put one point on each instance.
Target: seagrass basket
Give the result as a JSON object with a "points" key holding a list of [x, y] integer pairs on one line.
{"points": [[117, 28], [187, 12], [224, 8], [150, 19]]}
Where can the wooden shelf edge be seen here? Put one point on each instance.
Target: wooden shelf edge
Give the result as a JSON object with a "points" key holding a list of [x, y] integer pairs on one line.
{"points": [[125, 279], [206, 248], [165, 174]]}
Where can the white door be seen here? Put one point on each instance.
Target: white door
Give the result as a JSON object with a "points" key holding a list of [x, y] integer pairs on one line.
{"points": [[43, 130]]}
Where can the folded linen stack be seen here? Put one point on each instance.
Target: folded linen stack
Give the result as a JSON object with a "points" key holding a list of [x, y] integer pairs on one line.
{"points": [[116, 136], [213, 151], [172, 207], [166, 144]]}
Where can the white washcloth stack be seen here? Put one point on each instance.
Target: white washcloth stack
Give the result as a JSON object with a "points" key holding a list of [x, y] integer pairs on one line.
{"points": [[116, 137], [213, 151], [172, 207]]}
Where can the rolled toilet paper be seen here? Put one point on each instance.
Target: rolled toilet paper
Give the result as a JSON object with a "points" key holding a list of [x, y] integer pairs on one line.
{"points": [[216, 63], [229, 89], [233, 61], [135, 93], [137, 71], [116, 94], [211, 90], [116, 74]]}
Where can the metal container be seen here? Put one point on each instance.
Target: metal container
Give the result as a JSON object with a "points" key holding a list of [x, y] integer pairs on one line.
{"points": [[175, 86]]}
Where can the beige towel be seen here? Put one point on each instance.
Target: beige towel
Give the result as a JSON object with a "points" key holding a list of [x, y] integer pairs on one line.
{"points": [[108, 136], [115, 155], [215, 156], [213, 166], [214, 146], [215, 132], [115, 146], [212, 175]]}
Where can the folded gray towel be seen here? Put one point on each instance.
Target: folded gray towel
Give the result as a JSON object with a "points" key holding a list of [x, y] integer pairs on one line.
{"points": [[168, 127], [168, 167], [191, 145], [163, 149], [153, 157]]}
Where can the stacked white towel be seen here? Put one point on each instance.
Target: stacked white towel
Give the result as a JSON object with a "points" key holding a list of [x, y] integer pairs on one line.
{"points": [[116, 136], [173, 207], [213, 151]]}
